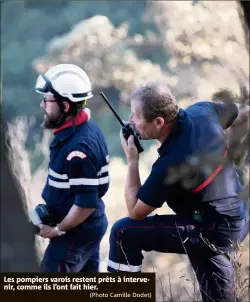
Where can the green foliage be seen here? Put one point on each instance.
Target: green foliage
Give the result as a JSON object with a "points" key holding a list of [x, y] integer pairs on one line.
{"points": [[28, 26], [156, 46]]}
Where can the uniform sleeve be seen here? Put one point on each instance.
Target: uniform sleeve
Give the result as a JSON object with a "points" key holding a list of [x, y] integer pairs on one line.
{"points": [[83, 177], [226, 113], [154, 191]]}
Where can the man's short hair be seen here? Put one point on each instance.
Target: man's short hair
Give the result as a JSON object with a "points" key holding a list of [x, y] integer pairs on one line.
{"points": [[75, 107], [157, 101]]}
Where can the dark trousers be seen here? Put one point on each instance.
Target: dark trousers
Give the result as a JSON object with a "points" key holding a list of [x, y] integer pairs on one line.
{"points": [[76, 251], [172, 234], [68, 256]]}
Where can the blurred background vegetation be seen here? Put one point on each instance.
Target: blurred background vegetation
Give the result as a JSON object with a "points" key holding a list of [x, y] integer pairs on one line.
{"points": [[196, 47], [120, 44]]}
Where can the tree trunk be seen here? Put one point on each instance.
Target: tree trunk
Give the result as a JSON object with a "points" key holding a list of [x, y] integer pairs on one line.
{"points": [[17, 239]]}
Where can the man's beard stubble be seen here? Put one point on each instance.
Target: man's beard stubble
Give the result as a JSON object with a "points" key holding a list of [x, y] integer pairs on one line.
{"points": [[49, 122]]}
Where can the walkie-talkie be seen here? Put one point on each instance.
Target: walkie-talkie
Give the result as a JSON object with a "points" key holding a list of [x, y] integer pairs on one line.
{"points": [[127, 129]]}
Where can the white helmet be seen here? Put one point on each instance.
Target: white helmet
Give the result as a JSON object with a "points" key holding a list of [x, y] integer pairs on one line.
{"points": [[65, 80]]}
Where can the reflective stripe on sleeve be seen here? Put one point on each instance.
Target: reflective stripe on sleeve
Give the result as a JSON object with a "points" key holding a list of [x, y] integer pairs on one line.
{"points": [[58, 184], [89, 181], [103, 170], [56, 175]]}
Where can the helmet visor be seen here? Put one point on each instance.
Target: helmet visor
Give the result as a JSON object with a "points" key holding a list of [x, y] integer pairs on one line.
{"points": [[43, 85]]}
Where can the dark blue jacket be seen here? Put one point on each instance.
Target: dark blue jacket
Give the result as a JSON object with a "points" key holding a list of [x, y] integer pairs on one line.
{"points": [[197, 135], [78, 173]]}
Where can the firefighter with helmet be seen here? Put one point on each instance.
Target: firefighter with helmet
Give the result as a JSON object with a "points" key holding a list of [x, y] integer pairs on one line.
{"points": [[78, 172]]}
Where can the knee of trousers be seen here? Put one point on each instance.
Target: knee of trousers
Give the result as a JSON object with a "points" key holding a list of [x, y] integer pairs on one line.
{"points": [[118, 229]]}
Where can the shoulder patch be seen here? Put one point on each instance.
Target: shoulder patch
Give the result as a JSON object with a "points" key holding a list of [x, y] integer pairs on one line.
{"points": [[76, 153]]}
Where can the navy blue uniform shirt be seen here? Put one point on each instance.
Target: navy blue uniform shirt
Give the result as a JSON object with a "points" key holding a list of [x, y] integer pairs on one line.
{"points": [[198, 131], [78, 172]]}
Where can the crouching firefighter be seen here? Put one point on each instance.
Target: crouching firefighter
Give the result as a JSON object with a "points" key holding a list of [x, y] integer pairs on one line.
{"points": [[78, 174], [194, 175]]}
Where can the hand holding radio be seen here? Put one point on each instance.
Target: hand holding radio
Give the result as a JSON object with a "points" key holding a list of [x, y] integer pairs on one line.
{"points": [[127, 129], [129, 148]]}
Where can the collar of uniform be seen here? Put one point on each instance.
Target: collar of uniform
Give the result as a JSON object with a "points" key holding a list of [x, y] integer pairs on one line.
{"points": [[174, 133], [67, 129], [81, 118]]}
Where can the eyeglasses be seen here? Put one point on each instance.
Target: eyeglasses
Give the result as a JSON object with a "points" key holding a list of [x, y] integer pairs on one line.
{"points": [[48, 101]]}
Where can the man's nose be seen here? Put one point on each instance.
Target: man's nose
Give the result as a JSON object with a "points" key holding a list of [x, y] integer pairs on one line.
{"points": [[42, 104]]}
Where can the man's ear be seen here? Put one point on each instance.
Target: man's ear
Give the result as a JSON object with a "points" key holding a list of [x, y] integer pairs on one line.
{"points": [[159, 122], [66, 106]]}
